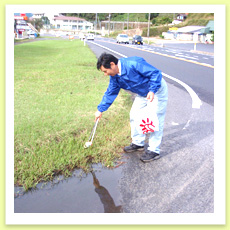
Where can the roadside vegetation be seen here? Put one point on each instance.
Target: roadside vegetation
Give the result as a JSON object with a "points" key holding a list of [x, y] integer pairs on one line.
{"points": [[198, 19], [57, 89], [160, 22]]}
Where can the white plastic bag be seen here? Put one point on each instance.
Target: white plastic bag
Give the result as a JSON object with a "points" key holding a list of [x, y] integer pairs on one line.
{"points": [[147, 121]]}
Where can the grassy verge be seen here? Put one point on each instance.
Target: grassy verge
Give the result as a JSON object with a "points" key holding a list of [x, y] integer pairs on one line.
{"points": [[57, 89]]}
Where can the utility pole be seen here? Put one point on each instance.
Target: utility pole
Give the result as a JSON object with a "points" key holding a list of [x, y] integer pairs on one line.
{"points": [[148, 28], [109, 22], [99, 23], [96, 25], [128, 25]]}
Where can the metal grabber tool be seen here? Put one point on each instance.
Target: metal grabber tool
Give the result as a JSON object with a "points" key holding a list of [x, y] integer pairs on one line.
{"points": [[90, 141]]}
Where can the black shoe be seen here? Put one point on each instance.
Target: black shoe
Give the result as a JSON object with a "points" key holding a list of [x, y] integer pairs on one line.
{"points": [[133, 148], [149, 156]]}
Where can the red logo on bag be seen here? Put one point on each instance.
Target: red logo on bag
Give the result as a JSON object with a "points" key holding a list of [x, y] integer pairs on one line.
{"points": [[147, 126]]}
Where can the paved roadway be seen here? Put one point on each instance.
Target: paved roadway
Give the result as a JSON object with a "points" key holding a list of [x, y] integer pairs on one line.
{"points": [[174, 44], [195, 69], [182, 180]]}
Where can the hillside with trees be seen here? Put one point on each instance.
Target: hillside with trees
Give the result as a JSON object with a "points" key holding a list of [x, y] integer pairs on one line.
{"points": [[155, 18], [159, 22]]}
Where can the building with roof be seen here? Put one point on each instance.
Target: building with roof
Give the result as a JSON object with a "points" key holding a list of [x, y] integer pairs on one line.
{"points": [[187, 33], [208, 32], [21, 26], [190, 29], [71, 23], [209, 29], [191, 33], [179, 18], [48, 15]]}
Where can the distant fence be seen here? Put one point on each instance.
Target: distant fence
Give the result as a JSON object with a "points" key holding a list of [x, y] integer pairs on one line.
{"points": [[114, 25]]}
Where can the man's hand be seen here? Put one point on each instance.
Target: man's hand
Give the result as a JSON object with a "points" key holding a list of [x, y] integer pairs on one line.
{"points": [[98, 115], [150, 96]]}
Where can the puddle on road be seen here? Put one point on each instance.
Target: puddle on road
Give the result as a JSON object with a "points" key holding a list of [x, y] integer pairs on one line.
{"points": [[96, 192]]}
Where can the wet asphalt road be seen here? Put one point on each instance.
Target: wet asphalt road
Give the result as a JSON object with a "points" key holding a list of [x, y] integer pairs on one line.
{"points": [[181, 181]]}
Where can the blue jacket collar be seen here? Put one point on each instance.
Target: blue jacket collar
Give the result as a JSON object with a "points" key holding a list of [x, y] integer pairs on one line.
{"points": [[122, 69]]}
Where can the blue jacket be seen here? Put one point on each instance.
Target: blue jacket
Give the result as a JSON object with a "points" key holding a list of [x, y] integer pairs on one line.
{"points": [[137, 76]]}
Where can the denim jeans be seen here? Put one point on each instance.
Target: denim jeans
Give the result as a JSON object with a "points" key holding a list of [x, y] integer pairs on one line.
{"points": [[139, 103]]}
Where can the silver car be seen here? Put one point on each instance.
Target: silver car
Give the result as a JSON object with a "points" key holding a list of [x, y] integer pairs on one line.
{"points": [[122, 38]]}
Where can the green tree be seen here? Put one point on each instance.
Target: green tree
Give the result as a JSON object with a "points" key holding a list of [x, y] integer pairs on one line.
{"points": [[212, 38], [154, 21], [152, 16], [164, 20], [37, 23], [45, 21]]}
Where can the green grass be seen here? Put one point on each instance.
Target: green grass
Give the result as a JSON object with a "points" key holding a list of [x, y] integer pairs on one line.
{"points": [[133, 17], [57, 89], [198, 19]]}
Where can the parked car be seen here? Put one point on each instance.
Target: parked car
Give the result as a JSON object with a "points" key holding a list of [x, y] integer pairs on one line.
{"points": [[90, 37], [122, 38], [31, 34], [137, 39]]}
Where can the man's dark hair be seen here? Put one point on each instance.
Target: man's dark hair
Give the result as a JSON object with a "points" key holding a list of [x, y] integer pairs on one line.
{"points": [[105, 59]]}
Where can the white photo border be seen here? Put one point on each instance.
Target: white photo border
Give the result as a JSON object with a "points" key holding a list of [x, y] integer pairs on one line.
{"points": [[216, 218]]}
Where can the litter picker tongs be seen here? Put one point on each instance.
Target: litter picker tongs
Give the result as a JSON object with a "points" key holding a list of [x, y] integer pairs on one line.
{"points": [[90, 141]]}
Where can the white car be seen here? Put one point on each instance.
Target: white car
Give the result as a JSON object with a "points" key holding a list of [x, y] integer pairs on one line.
{"points": [[122, 38], [90, 37], [31, 34]]}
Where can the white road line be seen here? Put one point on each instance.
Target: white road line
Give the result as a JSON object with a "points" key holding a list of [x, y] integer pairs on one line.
{"points": [[122, 55], [171, 51], [205, 64], [146, 48], [196, 102], [181, 55]]}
